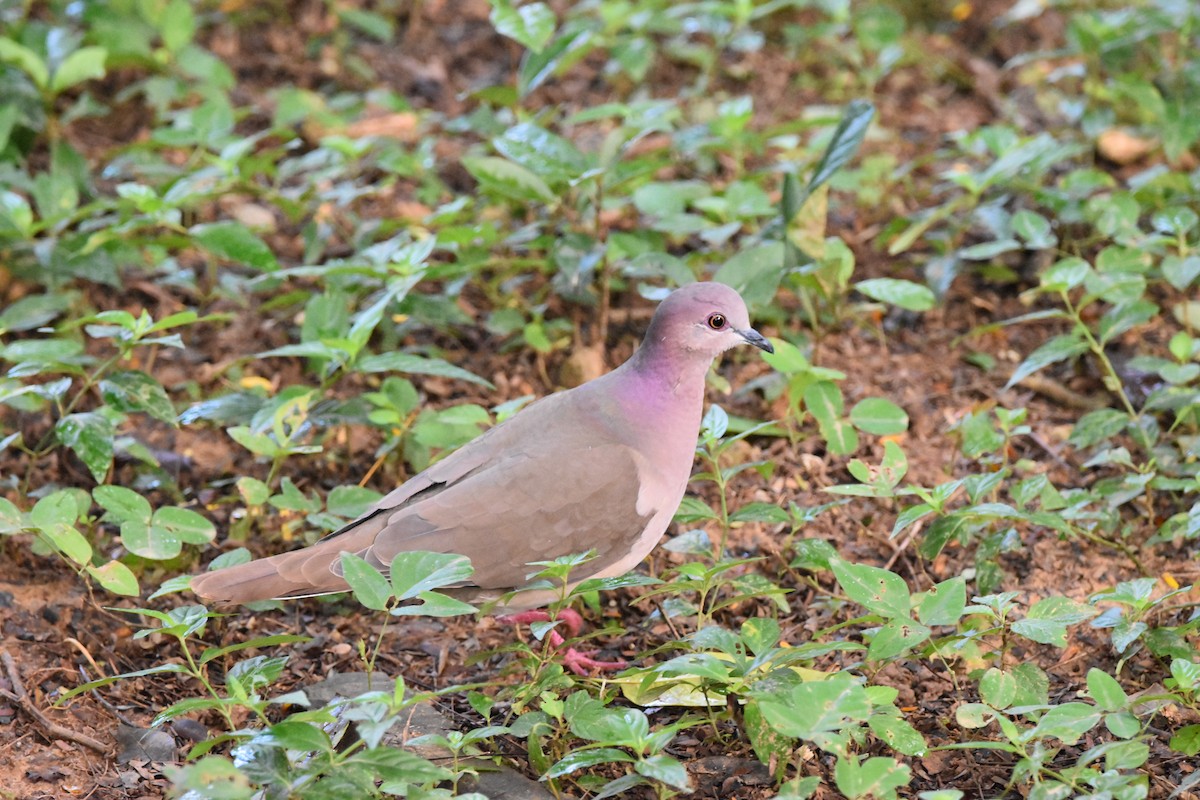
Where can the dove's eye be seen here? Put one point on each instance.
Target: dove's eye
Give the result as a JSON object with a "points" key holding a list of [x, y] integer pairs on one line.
{"points": [[716, 321]]}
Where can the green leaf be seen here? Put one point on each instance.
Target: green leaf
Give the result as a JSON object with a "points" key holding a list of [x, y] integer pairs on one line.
{"points": [[898, 735], [1048, 619], [905, 294], [896, 637], [33, 311], [944, 603], [531, 24], [135, 391], [417, 365], [879, 416], [169, 529], [755, 273], [434, 604], [26, 60], [116, 578], [370, 587], [122, 504], [1097, 426], [90, 436], [1181, 271], [1187, 740], [583, 759], [998, 688], [510, 180], [536, 67], [82, 65], [878, 590], [846, 139], [1068, 722], [1065, 274], [665, 769], [1105, 690], [419, 571], [876, 777], [546, 154], [1060, 348], [351, 501], [234, 242], [823, 400]]}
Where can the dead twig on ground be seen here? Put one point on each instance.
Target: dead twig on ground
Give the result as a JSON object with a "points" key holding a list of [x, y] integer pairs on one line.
{"points": [[50, 728]]}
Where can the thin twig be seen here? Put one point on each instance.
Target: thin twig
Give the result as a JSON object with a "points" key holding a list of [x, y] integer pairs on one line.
{"points": [[52, 729]]}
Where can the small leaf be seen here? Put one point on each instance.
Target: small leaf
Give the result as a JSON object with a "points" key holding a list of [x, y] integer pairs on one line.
{"points": [[234, 242], [122, 504], [531, 24], [1048, 619], [133, 390], [90, 436], [510, 180], [370, 587], [878, 416], [1105, 690], [82, 65], [905, 294], [116, 577], [1060, 348], [418, 571], [417, 365], [878, 590]]}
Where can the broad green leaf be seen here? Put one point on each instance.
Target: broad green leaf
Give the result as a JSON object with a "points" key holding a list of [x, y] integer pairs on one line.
{"points": [[1068, 721], [878, 590], [169, 529], [755, 273], [665, 769], [1065, 274], [122, 504], [551, 156], [531, 24], [565, 50], [846, 139], [82, 65], [234, 242], [876, 777], [33, 311], [509, 180], [879, 416], [419, 571], [1060, 348], [1105, 690], [116, 578], [90, 436], [823, 400], [370, 587], [896, 637], [417, 365], [1048, 619], [998, 688], [583, 759], [898, 734], [944, 603], [135, 391], [905, 294], [26, 60], [1181, 271], [434, 604]]}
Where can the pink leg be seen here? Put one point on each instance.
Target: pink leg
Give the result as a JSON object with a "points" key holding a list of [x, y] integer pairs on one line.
{"points": [[579, 662]]}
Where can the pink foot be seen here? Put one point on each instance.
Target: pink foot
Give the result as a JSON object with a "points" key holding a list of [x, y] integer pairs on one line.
{"points": [[578, 661]]}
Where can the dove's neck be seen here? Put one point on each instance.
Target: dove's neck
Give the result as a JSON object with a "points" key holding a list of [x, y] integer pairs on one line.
{"points": [[668, 387]]}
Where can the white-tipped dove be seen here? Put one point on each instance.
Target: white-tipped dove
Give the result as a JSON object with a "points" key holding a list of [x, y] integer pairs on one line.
{"points": [[599, 467]]}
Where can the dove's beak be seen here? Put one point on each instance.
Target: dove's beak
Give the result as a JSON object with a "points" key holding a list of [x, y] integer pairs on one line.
{"points": [[757, 339]]}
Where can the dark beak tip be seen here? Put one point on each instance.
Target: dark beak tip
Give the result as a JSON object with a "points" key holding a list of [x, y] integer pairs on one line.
{"points": [[758, 340]]}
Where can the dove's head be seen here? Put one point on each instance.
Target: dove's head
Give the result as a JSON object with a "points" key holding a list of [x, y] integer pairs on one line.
{"points": [[703, 320]]}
